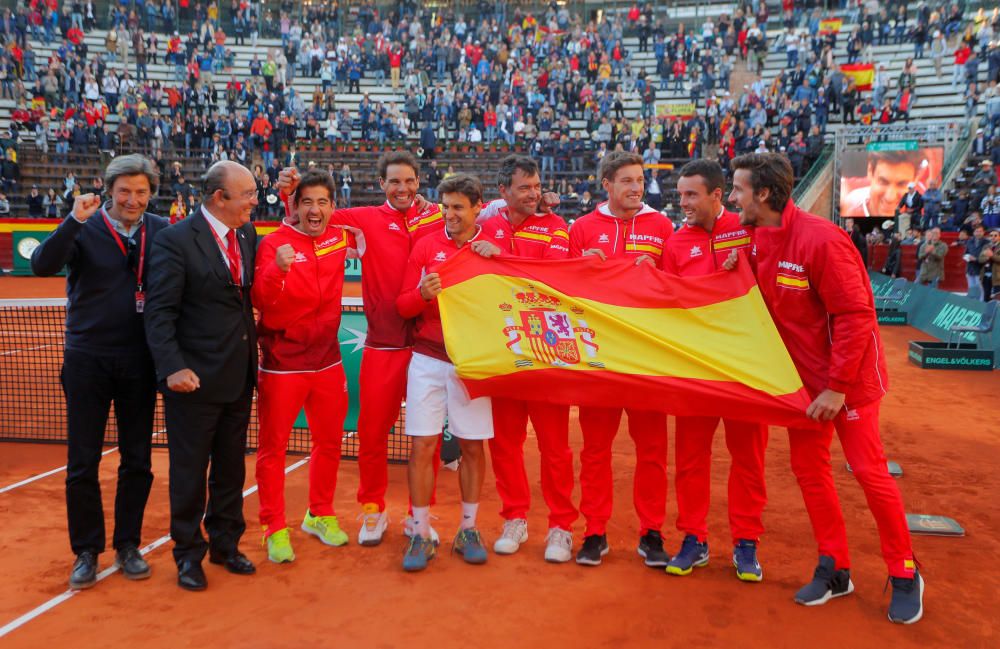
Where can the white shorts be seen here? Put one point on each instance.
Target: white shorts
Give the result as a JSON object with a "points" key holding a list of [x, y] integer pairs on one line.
{"points": [[434, 391]]}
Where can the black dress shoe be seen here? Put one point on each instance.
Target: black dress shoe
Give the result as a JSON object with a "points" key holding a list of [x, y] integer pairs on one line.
{"points": [[131, 562], [190, 576], [84, 573], [236, 563]]}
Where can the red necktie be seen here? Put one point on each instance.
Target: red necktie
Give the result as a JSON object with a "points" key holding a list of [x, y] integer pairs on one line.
{"points": [[233, 252]]}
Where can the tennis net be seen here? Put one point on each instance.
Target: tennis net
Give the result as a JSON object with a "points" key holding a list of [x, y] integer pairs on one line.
{"points": [[33, 407]]}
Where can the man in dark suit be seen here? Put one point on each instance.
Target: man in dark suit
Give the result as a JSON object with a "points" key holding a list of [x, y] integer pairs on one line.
{"points": [[200, 329]]}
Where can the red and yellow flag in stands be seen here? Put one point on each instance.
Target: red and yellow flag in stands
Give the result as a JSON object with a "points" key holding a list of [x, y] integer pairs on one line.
{"points": [[587, 332], [862, 73], [830, 25]]}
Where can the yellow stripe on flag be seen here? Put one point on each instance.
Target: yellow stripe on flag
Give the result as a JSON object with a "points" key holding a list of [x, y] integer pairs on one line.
{"points": [[534, 236], [794, 282], [732, 243], [724, 341]]}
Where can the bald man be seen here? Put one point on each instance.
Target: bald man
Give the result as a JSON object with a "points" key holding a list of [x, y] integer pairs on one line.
{"points": [[200, 330]]}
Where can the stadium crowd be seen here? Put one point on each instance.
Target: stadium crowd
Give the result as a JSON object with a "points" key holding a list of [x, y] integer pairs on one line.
{"points": [[510, 76]]}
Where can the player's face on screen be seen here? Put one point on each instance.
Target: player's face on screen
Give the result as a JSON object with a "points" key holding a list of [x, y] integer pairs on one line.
{"points": [[314, 209], [699, 206], [743, 197], [129, 197], [626, 189], [400, 185], [887, 186], [459, 214], [524, 193]]}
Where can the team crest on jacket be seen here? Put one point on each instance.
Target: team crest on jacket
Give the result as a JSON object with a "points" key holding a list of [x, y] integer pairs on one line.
{"points": [[695, 251], [603, 238], [541, 329], [394, 227], [440, 256]]}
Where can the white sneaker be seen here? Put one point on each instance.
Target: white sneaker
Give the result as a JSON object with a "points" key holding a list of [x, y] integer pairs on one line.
{"points": [[515, 532], [373, 525], [408, 531], [559, 546]]}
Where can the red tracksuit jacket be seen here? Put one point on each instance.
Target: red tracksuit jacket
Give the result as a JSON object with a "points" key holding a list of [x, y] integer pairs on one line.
{"points": [[692, 250], [817, 290], [542, 236], [427, 254], [644, 234], [385, 237], [300, 309]]}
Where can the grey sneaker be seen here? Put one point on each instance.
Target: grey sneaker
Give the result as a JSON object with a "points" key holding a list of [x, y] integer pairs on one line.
{"points": [[469, 544]]}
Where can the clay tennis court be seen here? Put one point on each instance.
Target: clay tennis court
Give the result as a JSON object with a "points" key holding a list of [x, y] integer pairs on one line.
{"points": [[937, 425]]}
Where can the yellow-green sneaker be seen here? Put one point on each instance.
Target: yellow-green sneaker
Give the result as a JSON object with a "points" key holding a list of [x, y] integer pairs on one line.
{"points": [[325, 528], [279, 546]]}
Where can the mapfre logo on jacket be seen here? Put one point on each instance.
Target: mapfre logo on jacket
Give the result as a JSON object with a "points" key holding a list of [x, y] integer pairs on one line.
{"points": [[792, 276]]}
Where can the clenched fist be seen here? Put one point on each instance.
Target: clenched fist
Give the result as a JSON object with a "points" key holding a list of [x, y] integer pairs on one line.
{"points": [[288, 180], [430, 286], [183, 381], [85, 205], [284, 257]]}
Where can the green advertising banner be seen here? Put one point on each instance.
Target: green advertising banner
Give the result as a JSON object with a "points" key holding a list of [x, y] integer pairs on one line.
{"points": [[352, 270], [24, 243], [898, 145], [934, 311]]}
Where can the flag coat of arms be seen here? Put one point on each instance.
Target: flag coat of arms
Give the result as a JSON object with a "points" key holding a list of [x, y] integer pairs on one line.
{"points": [[610, 333]]}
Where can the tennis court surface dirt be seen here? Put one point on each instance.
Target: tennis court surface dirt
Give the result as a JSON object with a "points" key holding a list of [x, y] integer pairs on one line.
{"points": [[937, 425]]}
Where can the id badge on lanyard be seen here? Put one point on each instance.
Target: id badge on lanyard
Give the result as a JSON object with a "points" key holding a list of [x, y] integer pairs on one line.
{"points": [[140, 294]]}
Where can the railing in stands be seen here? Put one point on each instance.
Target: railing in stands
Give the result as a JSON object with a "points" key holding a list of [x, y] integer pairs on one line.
{"points": [[805, 183]]}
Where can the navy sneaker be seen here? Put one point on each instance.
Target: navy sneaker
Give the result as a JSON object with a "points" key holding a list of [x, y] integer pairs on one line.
{"points": [[594, 547], [692, 555], [469, 544], [827, 583], [651, 549], [418, 553], [907, 604], [745, 560]]}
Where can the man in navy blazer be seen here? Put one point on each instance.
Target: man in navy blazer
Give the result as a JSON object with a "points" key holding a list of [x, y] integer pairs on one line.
{"points": [[200, 329]]}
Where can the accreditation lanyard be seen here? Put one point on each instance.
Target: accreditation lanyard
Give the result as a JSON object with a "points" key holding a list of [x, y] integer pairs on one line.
{"points": [[140, 295], [230, 259]]}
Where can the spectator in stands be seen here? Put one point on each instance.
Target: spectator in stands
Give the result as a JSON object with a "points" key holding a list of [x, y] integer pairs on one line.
{"points": [[930, 255], [36, 206], [990, 258], [178, 209], [990, 208], [910, 209], [932, 199], [10, 171], [50, 204], [973, 267], [345, 182], [4, 204], [985, 177]]}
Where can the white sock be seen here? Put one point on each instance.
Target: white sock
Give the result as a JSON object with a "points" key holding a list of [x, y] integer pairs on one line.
{"points": [[422, 521], [469, 511]]}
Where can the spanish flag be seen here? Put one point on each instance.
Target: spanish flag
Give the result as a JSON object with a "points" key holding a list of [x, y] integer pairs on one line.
{"points": [[830, 25], [862, 73], [610, 333]]}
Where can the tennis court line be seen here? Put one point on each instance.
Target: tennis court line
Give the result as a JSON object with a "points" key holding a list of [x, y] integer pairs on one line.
{"points": [[45, 475], [22, 351], [15, 624]]}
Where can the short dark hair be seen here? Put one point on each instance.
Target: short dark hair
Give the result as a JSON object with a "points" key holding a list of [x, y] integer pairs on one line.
{"points": [[316, 179], [397, 158], [465, 184], [770, 170], [912, 158], [512, 163], [709, 170], [612, 162]]}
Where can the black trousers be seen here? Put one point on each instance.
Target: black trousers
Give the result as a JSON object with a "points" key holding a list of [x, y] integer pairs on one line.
{"points": [[92, 383], [206, 440]]}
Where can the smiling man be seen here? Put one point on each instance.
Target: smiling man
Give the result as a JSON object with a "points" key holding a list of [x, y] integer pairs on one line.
{"points": [[623, 227], [817, 290], [200, 329], [709, 235], [385, 235], [434, 391], [298, 289], [889, 175], [106, 250]]}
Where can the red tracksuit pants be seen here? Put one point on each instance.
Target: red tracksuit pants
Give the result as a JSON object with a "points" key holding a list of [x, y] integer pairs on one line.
{"points": [[382, 389], [280, 397], [648, 430], [510, 429], [746, 442], [859, 437]]}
